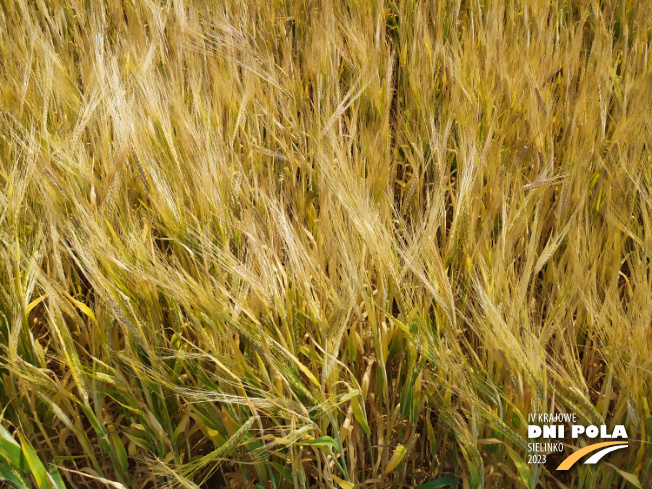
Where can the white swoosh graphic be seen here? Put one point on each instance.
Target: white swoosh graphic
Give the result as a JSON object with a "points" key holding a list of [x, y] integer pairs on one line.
{"points": [[598, 455]]}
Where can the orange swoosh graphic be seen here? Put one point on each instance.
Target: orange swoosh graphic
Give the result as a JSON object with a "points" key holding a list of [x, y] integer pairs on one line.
{"points": [[571, 459]]}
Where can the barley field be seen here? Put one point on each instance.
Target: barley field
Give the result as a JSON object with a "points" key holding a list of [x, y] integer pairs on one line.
{"points": [[322, 243]]}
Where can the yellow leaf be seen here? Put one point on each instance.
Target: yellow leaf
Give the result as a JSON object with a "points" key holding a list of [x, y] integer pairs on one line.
{"points": [[360, 415], [399, 453], [343, 484], [34, 303], [81, 306], [626, 475], [308, 374]]}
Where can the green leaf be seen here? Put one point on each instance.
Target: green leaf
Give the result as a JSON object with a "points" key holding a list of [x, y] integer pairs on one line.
{"points": [[36, 466], [322, 441], [55, 477], [15, 480], [284, 471], [80, 434], [440, 482], [523, 469], [10, 450], [120, 451], [629, 477]]}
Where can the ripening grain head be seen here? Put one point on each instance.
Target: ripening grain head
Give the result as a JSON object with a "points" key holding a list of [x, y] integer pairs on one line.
{"points": [[321, 243]]}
